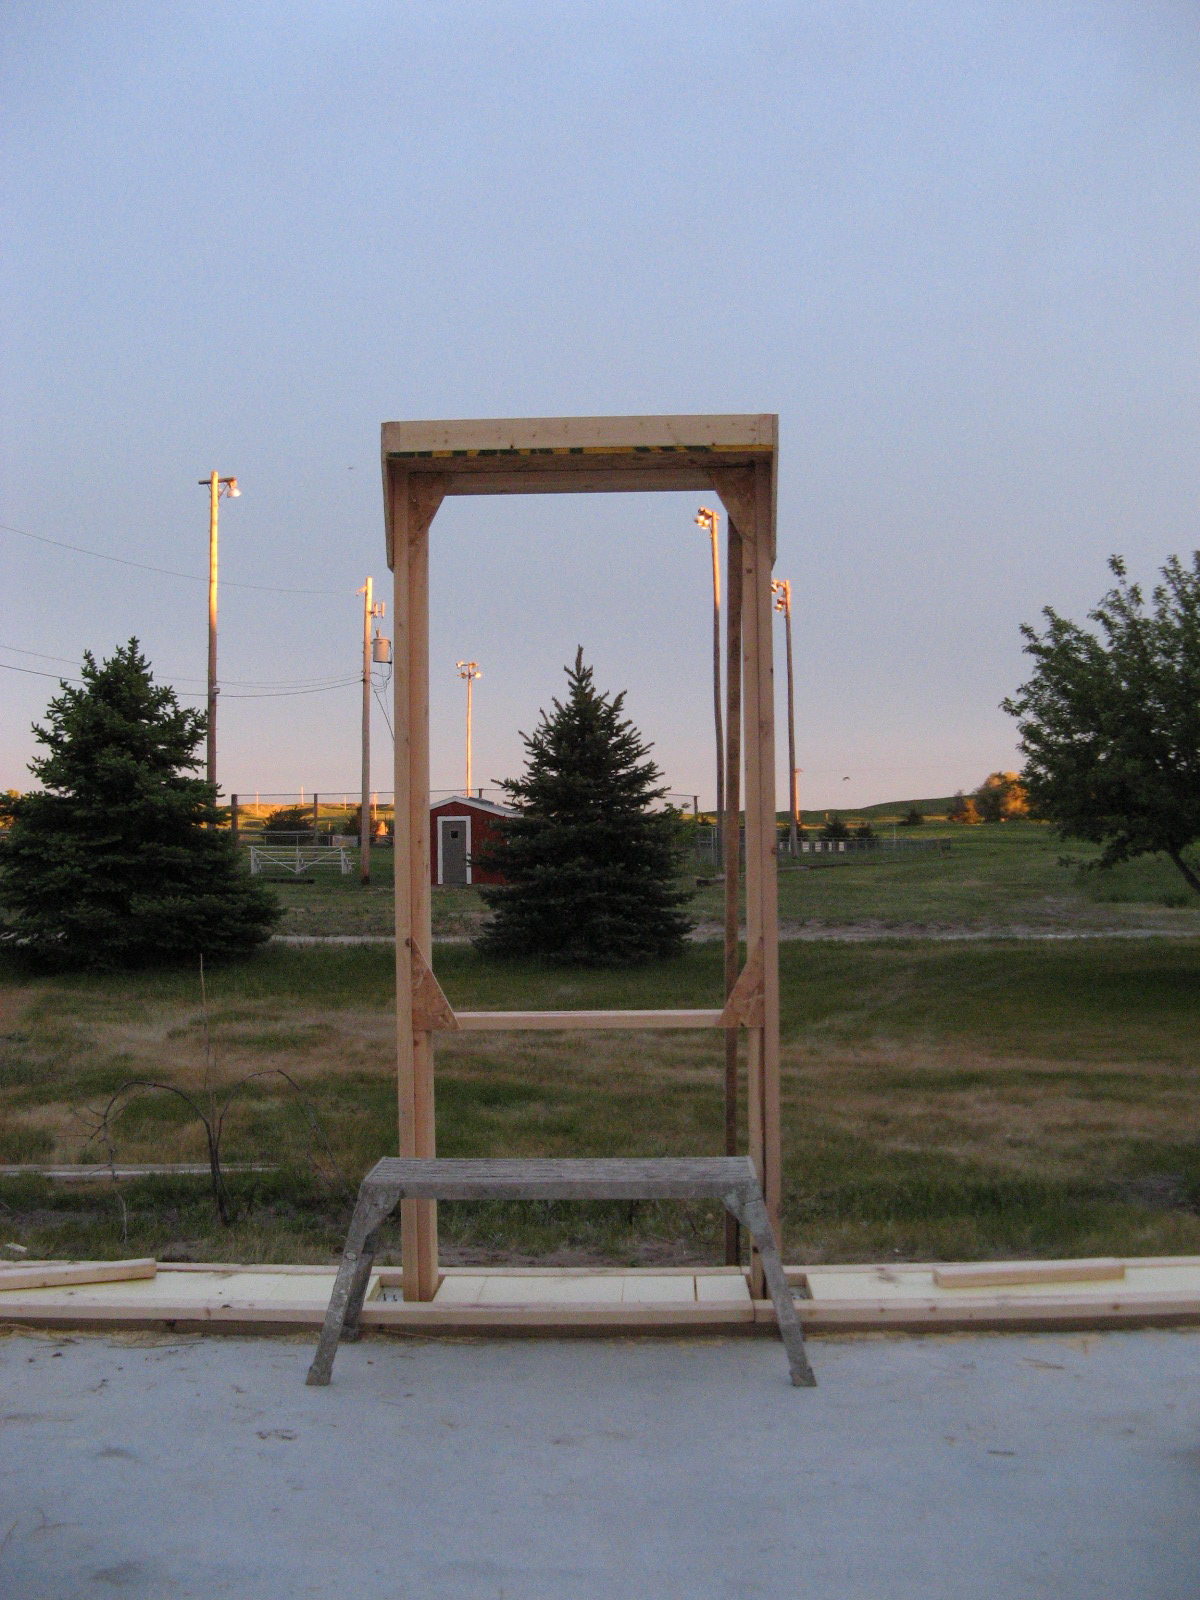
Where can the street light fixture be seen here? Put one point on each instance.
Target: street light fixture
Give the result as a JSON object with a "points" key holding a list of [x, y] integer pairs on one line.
{"points": [[217, 487], [781, 588], [710, 520]]}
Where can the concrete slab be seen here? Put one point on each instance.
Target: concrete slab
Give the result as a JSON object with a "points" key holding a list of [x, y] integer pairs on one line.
{"points": [[938, 1467]]}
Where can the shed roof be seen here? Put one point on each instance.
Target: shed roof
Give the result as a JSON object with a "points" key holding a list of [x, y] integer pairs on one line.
{"points": [[477, 805]]}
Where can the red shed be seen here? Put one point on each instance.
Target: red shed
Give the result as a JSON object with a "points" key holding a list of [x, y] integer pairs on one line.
{"points": [[458, 827]]}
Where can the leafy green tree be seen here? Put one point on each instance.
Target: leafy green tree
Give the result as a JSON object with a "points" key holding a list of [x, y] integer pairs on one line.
{"points": [[1110, 720], [117, 861], [834, 828], [1001, 797], [293, 823], [590, 867], [914, 817]]}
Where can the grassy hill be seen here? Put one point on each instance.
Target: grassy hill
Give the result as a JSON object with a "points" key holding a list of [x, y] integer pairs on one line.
{"points": [[885, 811]]}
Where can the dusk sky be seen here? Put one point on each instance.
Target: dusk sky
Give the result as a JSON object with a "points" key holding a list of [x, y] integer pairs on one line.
{"points": [[955, 247]]}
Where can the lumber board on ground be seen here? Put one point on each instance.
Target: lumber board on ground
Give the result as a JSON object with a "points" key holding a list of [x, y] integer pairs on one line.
{"points": [[94, 1172], [1002, 1274], [1159, 1291], [65, 1274]]}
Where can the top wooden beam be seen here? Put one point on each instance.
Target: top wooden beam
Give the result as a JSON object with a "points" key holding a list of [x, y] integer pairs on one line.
{"points": [[605, 435], [574, 455]]}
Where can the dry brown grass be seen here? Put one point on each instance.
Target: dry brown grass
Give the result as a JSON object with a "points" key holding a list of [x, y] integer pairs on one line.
{"points": [[937, 1100]]}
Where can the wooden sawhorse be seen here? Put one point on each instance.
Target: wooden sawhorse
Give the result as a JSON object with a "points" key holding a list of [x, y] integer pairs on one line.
{"points": [[730, 1179]]}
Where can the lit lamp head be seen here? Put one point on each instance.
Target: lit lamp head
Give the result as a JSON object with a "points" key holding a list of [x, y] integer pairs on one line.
{"points": [[706, 519], [225, 486]]}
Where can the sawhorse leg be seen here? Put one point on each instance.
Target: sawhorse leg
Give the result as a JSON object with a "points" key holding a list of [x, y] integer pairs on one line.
{"points": [[345, 1303], [750, 1209]]}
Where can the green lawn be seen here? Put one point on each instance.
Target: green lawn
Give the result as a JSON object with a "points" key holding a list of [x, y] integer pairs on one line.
{"points": [[940, 1099], [1002, 878]]}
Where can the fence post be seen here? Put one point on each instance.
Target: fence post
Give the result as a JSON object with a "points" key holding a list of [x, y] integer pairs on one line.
{"points": [[233, 817], [316, 818]]}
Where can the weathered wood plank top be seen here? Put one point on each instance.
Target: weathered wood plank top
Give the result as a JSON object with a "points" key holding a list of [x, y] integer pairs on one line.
{"points": [[446, 439], [662, 1178]]}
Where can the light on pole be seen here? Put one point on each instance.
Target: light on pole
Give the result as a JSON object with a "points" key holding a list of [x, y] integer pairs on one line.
{"points": [[470, 671], [710, 520], [380, 653], [781, 588], [217, 486]]}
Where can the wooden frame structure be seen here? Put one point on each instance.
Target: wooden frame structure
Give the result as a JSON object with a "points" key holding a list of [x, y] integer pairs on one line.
{"points": [[423, 462]]}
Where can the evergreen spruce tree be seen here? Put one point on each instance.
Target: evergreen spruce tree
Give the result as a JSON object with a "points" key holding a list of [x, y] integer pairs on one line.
{"points": [[115, 862], [590, 868]]}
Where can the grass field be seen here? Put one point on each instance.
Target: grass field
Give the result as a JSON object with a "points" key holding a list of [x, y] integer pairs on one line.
{"points": [[992, 879], [940, 1100]]}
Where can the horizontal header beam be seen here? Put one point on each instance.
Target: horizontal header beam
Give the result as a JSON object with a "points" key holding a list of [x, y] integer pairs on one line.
{"points": [[573, 455], [504, 435]]}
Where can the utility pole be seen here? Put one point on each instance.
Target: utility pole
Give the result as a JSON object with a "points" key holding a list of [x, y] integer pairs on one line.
{"points": [[781, 588], [217, 487], [710, 520], [364, 819], [470, 671]]}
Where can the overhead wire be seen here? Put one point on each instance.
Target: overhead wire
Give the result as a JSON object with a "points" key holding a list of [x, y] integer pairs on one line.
{"points": [[377, 689], [165, 572], [254, 689]]}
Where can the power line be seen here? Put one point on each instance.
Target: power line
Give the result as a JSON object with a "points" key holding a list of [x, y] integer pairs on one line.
{"points": [[34, 673], [165, 572], [266, 694], [280, 694], [294, 685], [40, 654]]}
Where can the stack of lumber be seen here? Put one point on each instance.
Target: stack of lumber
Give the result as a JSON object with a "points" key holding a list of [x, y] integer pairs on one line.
{"points": [[930, 1297]]}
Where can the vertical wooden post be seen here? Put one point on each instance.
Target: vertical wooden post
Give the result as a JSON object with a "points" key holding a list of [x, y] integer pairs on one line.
{"points": [[402, 869], [233, 817], [764, 495], [751, 670], [420, 897], [316, 817], [733, 765]]}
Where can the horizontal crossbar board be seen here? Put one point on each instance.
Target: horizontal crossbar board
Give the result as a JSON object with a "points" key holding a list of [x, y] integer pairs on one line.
{"points": [[667, 1178], [555, 1021]]}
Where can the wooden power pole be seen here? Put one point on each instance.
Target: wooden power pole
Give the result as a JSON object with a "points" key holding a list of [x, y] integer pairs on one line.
{"points": [[710, 520], [364, 820], [217, 486], [781, 588], [470, 671]]}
